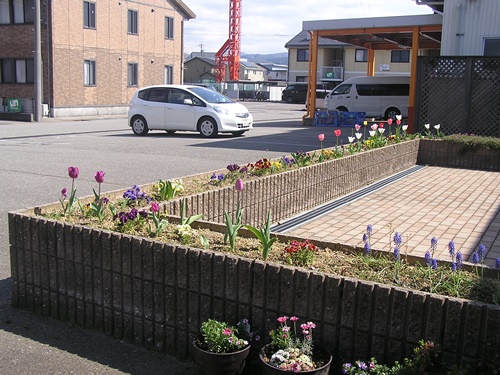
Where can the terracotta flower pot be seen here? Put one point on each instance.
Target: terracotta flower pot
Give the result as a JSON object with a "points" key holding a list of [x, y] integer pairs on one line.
{"points": [[209, 363], [321, 357]]}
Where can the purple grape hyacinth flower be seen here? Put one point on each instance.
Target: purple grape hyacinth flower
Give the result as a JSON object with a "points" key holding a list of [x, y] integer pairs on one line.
{"points": [[451, 248], [481, 251], [459, 259], [396, 253], [453, 266], [497, 264], [398, 239], [428, 258], [434, 244], [366, 248], [434, 264], [475, 258]]}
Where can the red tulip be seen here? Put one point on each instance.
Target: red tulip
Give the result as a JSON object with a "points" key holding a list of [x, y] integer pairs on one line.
{"points": [[398, 122], [381, 125], [239, 184], [337, 132], [321, 137], [389, 121], [99, 177]]}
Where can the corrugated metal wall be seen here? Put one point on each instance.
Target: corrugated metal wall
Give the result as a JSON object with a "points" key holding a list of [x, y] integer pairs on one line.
{"points": [[466, 24]]}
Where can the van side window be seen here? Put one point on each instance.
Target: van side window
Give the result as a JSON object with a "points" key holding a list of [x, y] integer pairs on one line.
{"points": [[342, 90], [383, 90]]}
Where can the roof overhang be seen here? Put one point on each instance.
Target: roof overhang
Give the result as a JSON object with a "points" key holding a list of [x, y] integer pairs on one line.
{"points": [[382, 33], [188, 13]]}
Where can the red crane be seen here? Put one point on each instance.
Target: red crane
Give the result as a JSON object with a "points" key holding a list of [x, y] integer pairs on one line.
{"points": [[230, 51]]}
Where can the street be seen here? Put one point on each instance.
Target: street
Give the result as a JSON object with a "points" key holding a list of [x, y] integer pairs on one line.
{"points": [[36, 157]]}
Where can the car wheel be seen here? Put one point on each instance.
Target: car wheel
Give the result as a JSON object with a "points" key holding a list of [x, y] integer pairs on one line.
{"points": [[392, 113], [139, 125], [342, 109], [208, 127], [289, 99], [237, 134]]}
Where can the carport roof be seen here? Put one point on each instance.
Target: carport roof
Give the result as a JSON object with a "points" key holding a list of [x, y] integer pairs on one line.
{"points": [[382, 33]]}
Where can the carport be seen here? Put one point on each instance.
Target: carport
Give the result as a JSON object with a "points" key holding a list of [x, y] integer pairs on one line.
{"points": [[416, 33]]}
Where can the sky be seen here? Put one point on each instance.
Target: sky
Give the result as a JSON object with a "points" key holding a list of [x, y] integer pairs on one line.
{"points": [[267, 25]]}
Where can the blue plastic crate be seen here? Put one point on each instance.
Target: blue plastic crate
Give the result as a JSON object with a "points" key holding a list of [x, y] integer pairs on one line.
{"points": [[337, 118], [351, 118]]}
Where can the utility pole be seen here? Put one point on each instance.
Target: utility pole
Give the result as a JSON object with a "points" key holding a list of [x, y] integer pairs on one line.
{"points": [[38, 63]]}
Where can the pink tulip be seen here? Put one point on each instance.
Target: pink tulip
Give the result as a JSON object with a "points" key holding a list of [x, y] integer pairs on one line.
{"points": [[321, 137], [155, 207], [239, 184], [389, 121], [398, 122], [357, 127], [99, 177], [337, 132], [63, 192], [73, 172], [374, 127]]}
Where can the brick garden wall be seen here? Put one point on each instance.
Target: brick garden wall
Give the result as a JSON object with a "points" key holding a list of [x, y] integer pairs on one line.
{"points": [[157, 295]]}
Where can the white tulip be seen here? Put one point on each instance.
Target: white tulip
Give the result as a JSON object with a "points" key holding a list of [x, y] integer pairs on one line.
{"points": [[437, 126], [427, 126], [404, 127], [372, 133], [399, 117], [351, 139], [358, 135], [381, 130]]}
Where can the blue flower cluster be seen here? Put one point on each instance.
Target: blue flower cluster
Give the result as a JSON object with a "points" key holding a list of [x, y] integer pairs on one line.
{"points": [[134, 193]]}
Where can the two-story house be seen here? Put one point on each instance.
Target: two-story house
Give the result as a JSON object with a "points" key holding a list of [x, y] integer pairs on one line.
{"points": [[95, 54]]}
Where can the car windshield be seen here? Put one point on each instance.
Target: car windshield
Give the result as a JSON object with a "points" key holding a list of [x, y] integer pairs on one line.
{"points": [[210, 95]]}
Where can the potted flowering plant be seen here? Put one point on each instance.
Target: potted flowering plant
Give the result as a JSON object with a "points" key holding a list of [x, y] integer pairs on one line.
{"points": [[221, 348], [289, 352]]}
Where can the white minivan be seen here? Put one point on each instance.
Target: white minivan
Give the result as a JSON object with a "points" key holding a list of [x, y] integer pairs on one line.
{"points": [[383, 97]]}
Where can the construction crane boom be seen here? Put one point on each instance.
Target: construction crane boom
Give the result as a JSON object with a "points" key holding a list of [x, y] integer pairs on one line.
{"points": [[230, 51]]}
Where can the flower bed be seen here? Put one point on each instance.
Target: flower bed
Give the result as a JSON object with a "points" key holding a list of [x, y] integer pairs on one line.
{"points": [[157, 294]]}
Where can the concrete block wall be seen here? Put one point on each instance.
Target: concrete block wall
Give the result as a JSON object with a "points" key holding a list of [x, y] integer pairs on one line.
{"points": [[292, 192], [452, 155], [157, 295]]}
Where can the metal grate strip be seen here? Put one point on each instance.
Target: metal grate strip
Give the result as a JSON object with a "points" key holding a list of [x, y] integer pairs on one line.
{"points": [[337, 203]]}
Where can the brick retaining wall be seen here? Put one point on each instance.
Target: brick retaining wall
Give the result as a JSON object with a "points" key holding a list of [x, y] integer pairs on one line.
{"points": [[157, 295]]}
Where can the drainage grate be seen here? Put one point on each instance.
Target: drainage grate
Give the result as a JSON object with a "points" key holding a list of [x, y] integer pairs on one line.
{"points": [[346, 199]]}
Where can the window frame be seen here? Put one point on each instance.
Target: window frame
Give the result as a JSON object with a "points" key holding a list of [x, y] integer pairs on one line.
{"points": [[11, 70], [491, 44], [169, 28], [132, 22], [397, 56], [132, 75], [89, 15], [89, 73], [303, 55], [363, 58], [168, 74], [18, 12]]}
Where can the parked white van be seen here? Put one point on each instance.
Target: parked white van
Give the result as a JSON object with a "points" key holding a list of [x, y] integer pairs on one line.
{"points": [[377, 96]]}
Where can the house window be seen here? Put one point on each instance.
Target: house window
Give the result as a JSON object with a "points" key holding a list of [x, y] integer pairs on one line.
{"points": [[89, 15], [169, 73], [361, 55], [17, 11], [491, 47], [169, 28], [301, 79], [302, 55], [400, 56], [132, 74], [132, 22], [25, 71], [89, 73], [7, 71]]}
